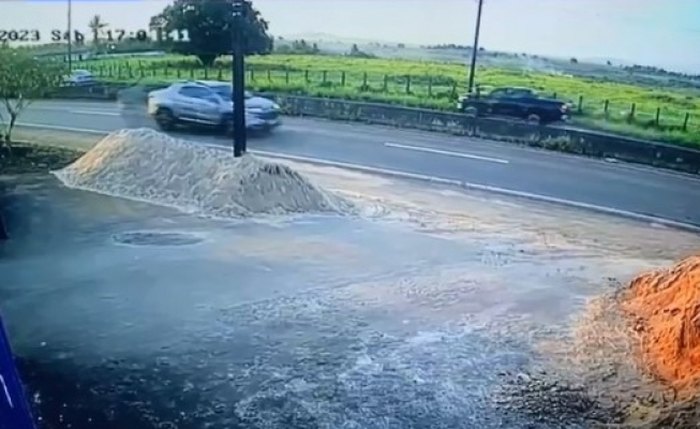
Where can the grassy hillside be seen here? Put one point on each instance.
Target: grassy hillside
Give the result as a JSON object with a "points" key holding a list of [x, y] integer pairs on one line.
{"points": [[436, 85]]}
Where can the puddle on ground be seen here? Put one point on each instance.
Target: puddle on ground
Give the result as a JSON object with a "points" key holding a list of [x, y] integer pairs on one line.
{"points": [[316, 321]]}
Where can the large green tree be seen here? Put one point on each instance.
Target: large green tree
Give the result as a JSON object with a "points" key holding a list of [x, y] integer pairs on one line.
{"points": [[209, 24], [22, 79]]}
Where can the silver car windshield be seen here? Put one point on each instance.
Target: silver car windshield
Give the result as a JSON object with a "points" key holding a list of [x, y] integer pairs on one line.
{"points": [[226, 92]]}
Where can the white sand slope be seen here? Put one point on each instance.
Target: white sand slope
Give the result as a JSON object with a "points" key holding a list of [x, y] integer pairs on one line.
{"points": [[146, 165]]}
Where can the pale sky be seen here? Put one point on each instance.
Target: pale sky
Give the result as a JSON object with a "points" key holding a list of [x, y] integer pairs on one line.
{"points": [[655, 32]]}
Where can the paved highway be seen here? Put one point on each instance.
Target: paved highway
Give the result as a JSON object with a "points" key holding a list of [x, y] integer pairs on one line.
{"points": [[613, 187]]}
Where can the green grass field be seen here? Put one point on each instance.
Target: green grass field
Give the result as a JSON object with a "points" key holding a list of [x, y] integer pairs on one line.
{"points": [[434, 85]]}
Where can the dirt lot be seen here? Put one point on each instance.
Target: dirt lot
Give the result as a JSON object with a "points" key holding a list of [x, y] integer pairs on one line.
{"points": [[432, 307]]}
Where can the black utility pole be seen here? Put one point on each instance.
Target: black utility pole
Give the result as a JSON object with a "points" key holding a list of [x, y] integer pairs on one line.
{"points": [[70, 37], [475, 48], [238, 51], [3, 230]]}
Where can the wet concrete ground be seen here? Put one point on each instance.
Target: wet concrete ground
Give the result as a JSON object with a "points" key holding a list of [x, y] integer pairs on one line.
{"points": [[128, 315]]}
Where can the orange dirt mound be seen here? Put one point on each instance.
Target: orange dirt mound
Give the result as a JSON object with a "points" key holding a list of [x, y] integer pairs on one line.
{"points": [[665, 307]]}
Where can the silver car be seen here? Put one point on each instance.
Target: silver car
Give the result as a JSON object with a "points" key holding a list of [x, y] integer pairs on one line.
{"points": [[79, 78], [261, 107], [208, 103]]}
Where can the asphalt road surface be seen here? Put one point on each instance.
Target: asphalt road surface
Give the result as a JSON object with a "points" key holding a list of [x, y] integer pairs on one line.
{"points": [[625, 189]]}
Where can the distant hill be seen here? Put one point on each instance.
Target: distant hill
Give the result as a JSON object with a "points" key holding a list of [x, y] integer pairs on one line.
{"points": [[332, 38]]}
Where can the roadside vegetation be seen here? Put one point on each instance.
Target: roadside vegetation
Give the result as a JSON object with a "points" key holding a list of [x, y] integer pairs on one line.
{"points": [[626, 108], [36, 158], [23, 78], [41, 151]]}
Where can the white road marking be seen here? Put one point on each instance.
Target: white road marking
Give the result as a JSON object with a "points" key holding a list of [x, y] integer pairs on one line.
{"points": [[95, 112], [74, 107], [61, 128], [447, 153], [652, 220]]}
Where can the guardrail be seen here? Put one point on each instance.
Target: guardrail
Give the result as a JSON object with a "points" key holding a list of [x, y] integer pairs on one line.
{"points": [[552, 137]]}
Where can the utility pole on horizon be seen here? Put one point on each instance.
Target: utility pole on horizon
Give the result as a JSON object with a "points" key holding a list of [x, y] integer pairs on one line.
{"points": [[70, 37], [238, 79], [475, 48]]}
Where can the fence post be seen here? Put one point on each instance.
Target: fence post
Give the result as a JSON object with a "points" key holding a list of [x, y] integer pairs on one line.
{"points": [[325, 76], [119, 71], [220, 73], [685, 121], [658, 115], [633, 110], [191, 72], [206, 72], [342, 78], [606, 106], [269, 75], [454, 90], [430, 86], [306, 75], [364, 81], [385, 88], [178, 72], [286, 76], [580, 103], [554, 95], [408, 84], [252, 75]]}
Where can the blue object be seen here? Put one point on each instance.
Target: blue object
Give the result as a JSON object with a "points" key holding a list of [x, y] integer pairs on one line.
{"points": [[14, 408]]}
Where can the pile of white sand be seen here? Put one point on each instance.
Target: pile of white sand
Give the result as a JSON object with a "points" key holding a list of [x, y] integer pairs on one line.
{"points": [[146, 165]]}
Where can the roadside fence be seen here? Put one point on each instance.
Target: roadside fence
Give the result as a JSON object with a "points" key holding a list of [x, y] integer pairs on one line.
{"points": [[438, 92]]}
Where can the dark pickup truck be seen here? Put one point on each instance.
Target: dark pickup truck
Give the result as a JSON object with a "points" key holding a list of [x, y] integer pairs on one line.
{"points": [[521, 103]]}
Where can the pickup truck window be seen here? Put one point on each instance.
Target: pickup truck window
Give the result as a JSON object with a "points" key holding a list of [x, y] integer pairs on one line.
{"points": [[512, 93], [499, 93], [522, 93]]}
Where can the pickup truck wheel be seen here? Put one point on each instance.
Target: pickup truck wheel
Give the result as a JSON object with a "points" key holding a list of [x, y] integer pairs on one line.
{"points": [[534, 119], [165, 119]]}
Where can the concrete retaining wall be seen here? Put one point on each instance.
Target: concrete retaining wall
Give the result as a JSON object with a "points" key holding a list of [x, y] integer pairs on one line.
{"points": [[98, 92], [560, 138]]}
